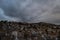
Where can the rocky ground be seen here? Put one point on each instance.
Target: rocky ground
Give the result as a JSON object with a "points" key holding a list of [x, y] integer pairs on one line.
{"points": [[29, 31]]}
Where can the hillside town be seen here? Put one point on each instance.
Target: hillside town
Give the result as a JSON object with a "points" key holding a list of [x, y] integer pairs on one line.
{"points": [[29, 31]]}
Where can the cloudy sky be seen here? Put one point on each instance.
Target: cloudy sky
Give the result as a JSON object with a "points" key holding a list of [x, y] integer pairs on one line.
{"points": [[31, 11]]}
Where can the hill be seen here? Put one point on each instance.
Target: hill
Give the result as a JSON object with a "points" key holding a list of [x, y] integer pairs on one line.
{"points": [[29, 31]]}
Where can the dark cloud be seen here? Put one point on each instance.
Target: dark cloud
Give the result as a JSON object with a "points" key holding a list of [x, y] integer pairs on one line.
{"points": [[30, 10]]}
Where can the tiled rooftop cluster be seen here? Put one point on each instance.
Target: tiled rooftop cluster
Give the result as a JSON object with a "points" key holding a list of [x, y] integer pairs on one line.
{"points": [[29, 31]]}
